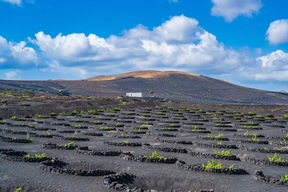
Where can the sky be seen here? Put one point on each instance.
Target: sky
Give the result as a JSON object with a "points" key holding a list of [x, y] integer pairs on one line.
{"points": [[244, 42]]}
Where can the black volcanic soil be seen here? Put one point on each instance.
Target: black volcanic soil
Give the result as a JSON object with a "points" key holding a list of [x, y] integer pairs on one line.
{"points": [[61, 120]]}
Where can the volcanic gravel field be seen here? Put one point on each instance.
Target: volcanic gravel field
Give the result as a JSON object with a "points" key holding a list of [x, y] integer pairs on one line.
{"points": [[128, 145]]}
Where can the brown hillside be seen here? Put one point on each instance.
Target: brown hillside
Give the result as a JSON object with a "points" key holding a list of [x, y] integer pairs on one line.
{"points": [[145, 74]]}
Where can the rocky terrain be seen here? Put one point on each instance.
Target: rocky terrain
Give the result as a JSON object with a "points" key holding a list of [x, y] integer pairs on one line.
{"points": [[77, 143]]}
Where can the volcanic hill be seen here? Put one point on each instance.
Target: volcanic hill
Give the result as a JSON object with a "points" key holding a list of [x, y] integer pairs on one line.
{"points": [[168, 85]]}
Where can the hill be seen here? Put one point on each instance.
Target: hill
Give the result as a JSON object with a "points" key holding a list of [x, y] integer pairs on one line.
{"points": [[169, 85], [145, 74]]}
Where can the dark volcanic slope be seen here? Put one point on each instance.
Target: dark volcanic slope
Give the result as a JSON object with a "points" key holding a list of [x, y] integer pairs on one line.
{"points": [[30, 86], [171, 85], [177, 86]]}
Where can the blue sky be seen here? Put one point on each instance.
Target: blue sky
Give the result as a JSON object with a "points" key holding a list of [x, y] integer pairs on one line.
{"points": [[241, 41]]}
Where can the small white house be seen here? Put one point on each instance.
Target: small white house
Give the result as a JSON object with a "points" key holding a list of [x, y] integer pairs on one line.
{"points": [[134, 94]]}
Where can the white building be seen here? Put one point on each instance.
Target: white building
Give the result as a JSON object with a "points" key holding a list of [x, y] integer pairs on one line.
{"points": [[134, 94]]}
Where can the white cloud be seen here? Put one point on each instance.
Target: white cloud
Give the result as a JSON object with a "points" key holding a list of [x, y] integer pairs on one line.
{"points": [[277, 32], [277, 59], [4, 49], [12, 75], [268, 72], [66, 72], [273, 66], [179, 29], [23, 54], [231, 9], [177, 43], [272, 76], [16, 54], [14, 2], [71, 47]]}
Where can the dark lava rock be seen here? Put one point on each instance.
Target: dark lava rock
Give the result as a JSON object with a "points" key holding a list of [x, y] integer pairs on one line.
{"points": [[230, 171], [141, 158], [57, 166], [214, 138], [248, 136], [251, 141], [98, 153], [165, 135], [167, 129], [12, 152], [130, 144], [207, 155], [20, 156], [167, 149], [259, 176], [54, 146], [212, 145], [66, 131], [14, 140], [280, 151], [128, 136], [94, 134], [72, 138], [174, 141], [119, 182], [264, 162]]}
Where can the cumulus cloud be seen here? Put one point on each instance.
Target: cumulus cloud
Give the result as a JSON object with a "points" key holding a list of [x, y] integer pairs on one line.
{"points": [[23, 54], [18, 54], [277, 59], [274, 66], [231, 9], [179, 29], [4, 50], [177, 43], [277, 32], [14, 2], [268, 72], [70, 47]]}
